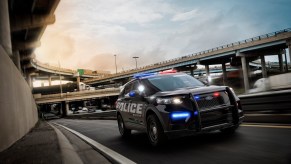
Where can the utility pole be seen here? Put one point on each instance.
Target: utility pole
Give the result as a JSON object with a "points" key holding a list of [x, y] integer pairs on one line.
{"points": [[115, 64]]}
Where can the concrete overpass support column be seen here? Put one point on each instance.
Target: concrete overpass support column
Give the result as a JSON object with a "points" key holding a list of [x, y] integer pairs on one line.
{"points": [[280, 58], [50, 80], [78, 83], [28, 79], [5, 37], [207, 70], [192, 71], [263, 64], [286, 61], [67, 107], [224, 73], [289, 48], [245, 73], [16, 59]]}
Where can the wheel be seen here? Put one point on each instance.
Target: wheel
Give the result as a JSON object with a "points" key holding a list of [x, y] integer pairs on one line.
{"points": [[230, 130], [122, 129], [155, 131]]}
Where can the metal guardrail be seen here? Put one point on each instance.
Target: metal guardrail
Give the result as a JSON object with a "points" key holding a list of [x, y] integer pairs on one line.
{"points": [[272, 102], [191, 56]]}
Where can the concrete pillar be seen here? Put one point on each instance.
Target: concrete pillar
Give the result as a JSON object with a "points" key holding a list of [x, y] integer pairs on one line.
{"points": [[263, 64], [192, 71], [224, 73], [78, 83], [289, 48], [245, 73], [28, 79], [50, 80], [207, 70], [280, 59], [67, 107], [286, 62], [16, 59], [5, 37]]}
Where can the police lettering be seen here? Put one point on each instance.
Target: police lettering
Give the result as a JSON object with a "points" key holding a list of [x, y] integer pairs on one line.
{"points": [[130, 107]]}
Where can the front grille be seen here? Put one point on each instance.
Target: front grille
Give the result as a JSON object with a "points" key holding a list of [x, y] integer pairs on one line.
{"points": [[209, 100], [208, 103], [215, 108]]}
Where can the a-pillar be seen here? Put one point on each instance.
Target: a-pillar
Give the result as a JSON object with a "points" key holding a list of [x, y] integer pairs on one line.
{"points": [[5, 38], [78, 83], [263, 64], [50, 80], [224, 73], [16, 59], [245, 73], [280, 59]]}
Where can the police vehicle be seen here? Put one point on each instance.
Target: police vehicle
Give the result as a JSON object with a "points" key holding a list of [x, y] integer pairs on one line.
{"points": [[170, 104]]}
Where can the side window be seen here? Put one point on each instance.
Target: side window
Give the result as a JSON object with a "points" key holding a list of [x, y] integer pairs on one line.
{"points": [[127, 89]]}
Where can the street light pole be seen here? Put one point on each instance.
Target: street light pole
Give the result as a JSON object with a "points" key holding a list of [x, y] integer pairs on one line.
{"points": [[115, 64], [135, 57]]}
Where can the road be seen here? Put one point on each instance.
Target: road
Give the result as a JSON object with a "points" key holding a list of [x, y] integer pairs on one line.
{"points": [[251, 144]]}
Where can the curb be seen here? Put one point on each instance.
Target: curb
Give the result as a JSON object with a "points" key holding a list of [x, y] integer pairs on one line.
{"points": [[113, 156], [69, 155]]}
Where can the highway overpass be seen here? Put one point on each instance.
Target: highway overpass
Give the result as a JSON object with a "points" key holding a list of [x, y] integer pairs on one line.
{"points": [[239, 53]]}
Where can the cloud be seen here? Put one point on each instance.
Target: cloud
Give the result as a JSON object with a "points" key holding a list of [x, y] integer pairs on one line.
{"points": [[186, 15], [88, 34]]}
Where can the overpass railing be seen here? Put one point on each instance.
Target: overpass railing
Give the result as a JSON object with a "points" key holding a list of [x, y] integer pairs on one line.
{"points": [[38, 64]]}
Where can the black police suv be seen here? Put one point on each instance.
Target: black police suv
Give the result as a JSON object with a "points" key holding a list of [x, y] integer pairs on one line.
{"points": [[169, 104]]}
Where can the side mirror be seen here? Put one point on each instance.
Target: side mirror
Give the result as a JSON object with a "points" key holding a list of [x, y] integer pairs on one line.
{"points": [[135, 93]]}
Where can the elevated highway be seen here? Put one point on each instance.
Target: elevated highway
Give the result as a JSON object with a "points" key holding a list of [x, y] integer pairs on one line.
{"points": [[239, 53]]}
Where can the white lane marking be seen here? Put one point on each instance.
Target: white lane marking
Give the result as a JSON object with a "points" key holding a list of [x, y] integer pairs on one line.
{"points": [[268, 126], [118, 158]]}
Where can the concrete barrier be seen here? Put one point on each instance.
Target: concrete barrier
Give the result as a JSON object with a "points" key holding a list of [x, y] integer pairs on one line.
{"points": [[18, 112]]}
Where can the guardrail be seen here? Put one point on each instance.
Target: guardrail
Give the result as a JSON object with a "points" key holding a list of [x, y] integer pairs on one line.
{"points": [[267, 107]]}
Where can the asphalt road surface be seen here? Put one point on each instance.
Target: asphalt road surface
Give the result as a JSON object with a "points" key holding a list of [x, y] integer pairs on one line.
{"points": [[251, 144]]}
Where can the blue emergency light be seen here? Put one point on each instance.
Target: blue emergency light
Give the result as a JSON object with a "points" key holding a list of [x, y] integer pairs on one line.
{"points": [[179, 115]]}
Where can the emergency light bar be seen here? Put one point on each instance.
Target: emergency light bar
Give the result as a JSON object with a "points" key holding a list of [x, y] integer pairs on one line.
{"points": [[141, 75]]}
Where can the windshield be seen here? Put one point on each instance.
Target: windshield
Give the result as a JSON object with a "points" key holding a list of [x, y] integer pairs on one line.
{"points": [[174, 82]]}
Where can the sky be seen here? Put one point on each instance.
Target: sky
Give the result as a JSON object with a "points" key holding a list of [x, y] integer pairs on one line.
{"points": [[88, 33]]}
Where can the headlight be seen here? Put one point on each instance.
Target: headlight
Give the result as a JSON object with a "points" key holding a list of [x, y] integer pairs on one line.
{"points": [[174, 100]]}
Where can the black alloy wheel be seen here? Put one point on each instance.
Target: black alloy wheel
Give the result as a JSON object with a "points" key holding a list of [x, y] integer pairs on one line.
{"points": [[155, 131], [122, 129]]}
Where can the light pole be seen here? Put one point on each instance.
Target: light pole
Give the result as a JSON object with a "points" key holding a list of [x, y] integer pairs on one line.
{"points": [[115, 65], [135, 57]]}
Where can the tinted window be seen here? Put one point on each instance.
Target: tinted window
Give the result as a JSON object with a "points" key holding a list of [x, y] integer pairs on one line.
{"points": [[173, 82]]}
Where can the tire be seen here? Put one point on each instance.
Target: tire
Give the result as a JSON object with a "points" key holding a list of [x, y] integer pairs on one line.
{"points": [[155, 131], [230, 130], [122, 129]]}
